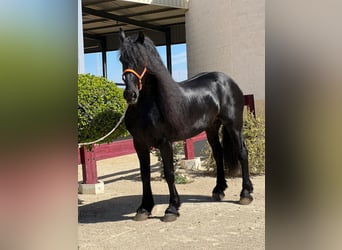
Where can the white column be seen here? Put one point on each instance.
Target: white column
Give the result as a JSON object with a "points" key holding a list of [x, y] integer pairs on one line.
{"points": [[80, 40]]}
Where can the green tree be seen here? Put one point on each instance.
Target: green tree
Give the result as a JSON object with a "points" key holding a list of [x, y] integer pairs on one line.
{"points": [[100, 107]]}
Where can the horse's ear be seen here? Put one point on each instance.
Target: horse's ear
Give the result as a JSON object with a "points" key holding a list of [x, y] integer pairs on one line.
{"points": [[141, 37], [122, 35]]}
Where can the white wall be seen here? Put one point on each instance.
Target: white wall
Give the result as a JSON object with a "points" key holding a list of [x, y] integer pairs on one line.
{"points": [[228, 36]]}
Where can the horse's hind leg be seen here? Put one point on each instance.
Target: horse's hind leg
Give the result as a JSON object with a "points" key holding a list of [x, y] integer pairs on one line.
{"points": [[214, 142], [166, 151], [247, 186]]}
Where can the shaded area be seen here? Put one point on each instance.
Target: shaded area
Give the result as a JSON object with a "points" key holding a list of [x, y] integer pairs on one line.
{"points": [[121, 208], [132, 174]]}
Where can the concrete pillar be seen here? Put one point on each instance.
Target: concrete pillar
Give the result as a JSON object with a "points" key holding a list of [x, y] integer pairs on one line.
{"points": [[80, 39], [228, 36]]}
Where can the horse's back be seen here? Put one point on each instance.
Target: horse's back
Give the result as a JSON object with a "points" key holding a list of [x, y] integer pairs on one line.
{"points": [[216, 93], [217, 83], [210, 78]]}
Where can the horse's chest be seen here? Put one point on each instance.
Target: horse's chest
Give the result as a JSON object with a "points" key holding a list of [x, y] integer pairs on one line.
{"points": [[144, 123]]}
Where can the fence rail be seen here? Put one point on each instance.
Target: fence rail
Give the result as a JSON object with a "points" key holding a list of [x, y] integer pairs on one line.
{"points": [[88, 157]]}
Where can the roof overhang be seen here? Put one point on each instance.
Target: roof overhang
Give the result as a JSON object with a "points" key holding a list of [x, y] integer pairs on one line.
{"points": [[102, 20]]}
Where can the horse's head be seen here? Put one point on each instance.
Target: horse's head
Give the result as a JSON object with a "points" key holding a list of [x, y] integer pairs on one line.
{"points": [[133, 59]]}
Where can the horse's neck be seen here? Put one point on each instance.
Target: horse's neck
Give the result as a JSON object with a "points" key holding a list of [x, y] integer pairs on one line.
{"points": [[163, 81], [167, 94], [161, 72]]}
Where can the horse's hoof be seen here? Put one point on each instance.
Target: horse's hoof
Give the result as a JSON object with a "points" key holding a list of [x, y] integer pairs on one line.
{"points": [[246, 200], [170, 217], [217, 196], [140, 216]]}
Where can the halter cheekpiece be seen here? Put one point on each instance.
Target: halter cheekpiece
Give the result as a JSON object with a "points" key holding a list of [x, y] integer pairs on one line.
{"points": [[140, 77]]}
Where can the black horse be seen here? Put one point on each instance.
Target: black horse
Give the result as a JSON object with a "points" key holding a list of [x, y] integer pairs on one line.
{"points": [[162, 111]]}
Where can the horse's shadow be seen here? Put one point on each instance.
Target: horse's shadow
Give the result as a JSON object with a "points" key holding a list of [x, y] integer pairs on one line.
{"points": [[121, 208], [131, 174]]}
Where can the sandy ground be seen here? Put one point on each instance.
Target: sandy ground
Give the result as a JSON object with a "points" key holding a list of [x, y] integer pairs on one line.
{"points": [[105, 220]]}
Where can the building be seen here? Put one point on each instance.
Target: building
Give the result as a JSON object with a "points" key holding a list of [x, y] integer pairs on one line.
{"points": [[221, 35]]}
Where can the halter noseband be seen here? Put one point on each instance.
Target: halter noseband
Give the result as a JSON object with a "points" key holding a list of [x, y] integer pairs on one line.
{"points": [[140, 77]]}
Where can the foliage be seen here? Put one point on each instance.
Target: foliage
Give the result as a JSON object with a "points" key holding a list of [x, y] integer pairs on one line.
{"points": [[181, 178], [100, 106], [254, 135]]}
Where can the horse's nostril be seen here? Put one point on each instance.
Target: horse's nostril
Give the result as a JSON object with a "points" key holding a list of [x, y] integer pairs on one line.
{"points": [[130, 96]]}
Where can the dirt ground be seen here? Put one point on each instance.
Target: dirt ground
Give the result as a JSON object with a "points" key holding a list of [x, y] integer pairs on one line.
{"points": [[105, 220]]}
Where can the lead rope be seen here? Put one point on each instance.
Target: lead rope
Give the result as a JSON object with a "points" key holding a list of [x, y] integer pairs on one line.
{"points": [[110, 132]]}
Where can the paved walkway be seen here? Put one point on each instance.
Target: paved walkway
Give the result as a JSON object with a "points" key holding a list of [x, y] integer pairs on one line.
{"points": [[105, 220]]}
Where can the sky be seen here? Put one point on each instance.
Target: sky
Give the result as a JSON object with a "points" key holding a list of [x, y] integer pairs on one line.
{"points": [[92, 63]]}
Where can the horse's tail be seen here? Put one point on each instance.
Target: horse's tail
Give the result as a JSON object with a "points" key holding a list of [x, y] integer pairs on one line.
{"points": [[230, 153]]}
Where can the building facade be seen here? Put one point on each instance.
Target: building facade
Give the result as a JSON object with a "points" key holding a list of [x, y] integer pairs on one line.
{"points": [[228, 36]]}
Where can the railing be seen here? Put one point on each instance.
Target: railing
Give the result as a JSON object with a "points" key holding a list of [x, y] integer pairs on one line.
{"points": [[98, 152]]}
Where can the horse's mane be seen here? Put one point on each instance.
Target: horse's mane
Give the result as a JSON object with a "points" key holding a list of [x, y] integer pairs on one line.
{"points": [[140, 51]]}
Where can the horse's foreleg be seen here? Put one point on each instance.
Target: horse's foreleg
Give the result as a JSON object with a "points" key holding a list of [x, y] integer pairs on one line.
{"points": [[171, 213], [147, 200]]}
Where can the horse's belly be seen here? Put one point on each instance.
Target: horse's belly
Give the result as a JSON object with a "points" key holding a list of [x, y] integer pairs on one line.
{"points": [[192, 129]]}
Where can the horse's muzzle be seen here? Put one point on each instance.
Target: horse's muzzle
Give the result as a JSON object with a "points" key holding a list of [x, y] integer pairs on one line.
{"points": [[130, 96]]}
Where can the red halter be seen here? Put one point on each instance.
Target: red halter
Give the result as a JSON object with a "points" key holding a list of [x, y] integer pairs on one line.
{"points": [[140, 77]]}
